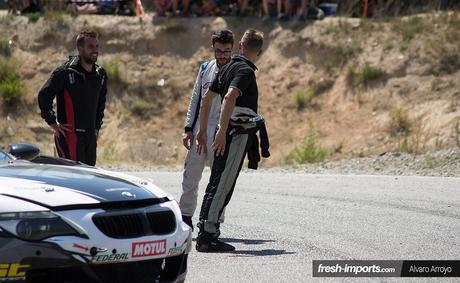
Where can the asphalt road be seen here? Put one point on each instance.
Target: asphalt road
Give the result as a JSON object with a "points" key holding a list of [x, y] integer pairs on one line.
{"points": [[280, 222]]}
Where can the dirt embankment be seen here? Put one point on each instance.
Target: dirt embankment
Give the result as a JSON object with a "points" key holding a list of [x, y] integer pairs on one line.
{"points": [[354, 87]]}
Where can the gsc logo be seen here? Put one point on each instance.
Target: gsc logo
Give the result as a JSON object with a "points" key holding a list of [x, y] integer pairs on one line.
{"points": [[13, 270]]}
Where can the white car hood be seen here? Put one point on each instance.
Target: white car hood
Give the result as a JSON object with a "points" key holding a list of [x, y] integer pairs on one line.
{"points": [[59, 186]]}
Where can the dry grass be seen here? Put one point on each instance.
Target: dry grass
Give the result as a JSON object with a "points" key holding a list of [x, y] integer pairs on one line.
{"points": [[400, 123], [363, 76], [411, 27], [341, 54]]}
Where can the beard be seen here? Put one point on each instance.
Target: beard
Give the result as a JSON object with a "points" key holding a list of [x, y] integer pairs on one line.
{"points": [[89, 58], [222, 62]]}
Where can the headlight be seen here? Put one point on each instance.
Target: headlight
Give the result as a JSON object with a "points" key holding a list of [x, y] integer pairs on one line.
{"points": [[35, 226]]}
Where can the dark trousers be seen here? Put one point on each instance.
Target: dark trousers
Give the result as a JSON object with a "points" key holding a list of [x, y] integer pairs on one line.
{"points": [[77, 146], [224, 172]]}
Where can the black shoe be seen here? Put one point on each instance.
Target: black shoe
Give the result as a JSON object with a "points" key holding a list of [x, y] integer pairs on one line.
{"points": [[188, 220], [213, 246]]}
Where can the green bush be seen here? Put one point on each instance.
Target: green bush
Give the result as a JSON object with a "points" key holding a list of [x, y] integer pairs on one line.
{"points": [[309, 151], [303, 98], [141, 108], [11, 89], [363, 76], [400, 123], [5, 47], [33, 17], [369, 73], [7, 68], [115, 72], [11, 86]]}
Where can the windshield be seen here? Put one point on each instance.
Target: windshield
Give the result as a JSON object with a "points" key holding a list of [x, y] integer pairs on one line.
{"points": [[5, 156]]}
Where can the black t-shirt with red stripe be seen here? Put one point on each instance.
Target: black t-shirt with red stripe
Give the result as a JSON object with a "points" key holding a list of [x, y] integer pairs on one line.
{"points": [[238, 74]]}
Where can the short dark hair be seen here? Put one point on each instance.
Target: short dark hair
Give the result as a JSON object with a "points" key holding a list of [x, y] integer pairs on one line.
{"points": [[81, 36], [224, 36], [253, 39]]}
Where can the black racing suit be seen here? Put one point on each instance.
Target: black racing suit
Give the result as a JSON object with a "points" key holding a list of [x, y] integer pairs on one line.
{"points": [[80, 98]]}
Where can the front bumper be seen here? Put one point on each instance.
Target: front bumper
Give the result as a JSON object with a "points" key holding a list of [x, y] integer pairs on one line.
{"points": [[39, 262]]}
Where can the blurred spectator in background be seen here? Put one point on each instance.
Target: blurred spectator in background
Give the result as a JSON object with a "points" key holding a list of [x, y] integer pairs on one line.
{"points": [[307, 9], [12, 6], [172, 7], [163, 6], [281, 9], [216, 7], [30, 6], [242, 8], [53, 4], [117, 7]]}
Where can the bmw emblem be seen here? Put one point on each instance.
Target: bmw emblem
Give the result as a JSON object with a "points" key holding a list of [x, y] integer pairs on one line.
{"points": [[128, 195]]}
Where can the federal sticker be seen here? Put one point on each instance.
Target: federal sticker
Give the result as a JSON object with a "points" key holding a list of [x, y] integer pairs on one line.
{"points": [[106, 258], [175, 251]]}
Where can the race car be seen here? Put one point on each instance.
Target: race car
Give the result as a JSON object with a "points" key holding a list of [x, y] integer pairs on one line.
{"points": [[76, 223]]}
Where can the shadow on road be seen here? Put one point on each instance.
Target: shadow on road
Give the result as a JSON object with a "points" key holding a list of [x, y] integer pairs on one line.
{"points": [[249, 253], [243, 241], [247, 241], [266, 252]]}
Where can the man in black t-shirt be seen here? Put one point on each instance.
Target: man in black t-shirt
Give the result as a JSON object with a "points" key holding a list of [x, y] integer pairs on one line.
{"points": [[236, 84]]}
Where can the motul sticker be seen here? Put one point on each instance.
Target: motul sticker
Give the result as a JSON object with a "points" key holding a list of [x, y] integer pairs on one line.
{"points": [[142, 249]]}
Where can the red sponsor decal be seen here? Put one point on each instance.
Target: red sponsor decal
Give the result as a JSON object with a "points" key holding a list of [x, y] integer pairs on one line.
{"points": [[141, 249], [75, 245]]}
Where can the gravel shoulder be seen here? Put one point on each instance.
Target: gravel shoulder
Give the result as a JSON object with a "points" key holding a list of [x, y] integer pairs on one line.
{"points": [[443, 163]]}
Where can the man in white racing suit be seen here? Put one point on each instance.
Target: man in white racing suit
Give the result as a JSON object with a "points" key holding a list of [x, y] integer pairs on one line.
{"points": [[222, 44]]}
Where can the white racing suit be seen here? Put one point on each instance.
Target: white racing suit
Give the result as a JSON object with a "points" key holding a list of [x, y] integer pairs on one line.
{"points": [[194, 162]]}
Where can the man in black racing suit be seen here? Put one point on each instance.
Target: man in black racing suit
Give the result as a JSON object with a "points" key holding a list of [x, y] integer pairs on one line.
{"points": [[80, 88]]}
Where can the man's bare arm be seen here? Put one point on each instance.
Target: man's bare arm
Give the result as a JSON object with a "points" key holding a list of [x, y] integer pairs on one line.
{"points": [[205, 108]]}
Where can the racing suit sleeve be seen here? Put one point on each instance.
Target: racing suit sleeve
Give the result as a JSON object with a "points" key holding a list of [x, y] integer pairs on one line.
{"points": [[52, 87], [194, 102], [101, 103], [242, 80]]}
